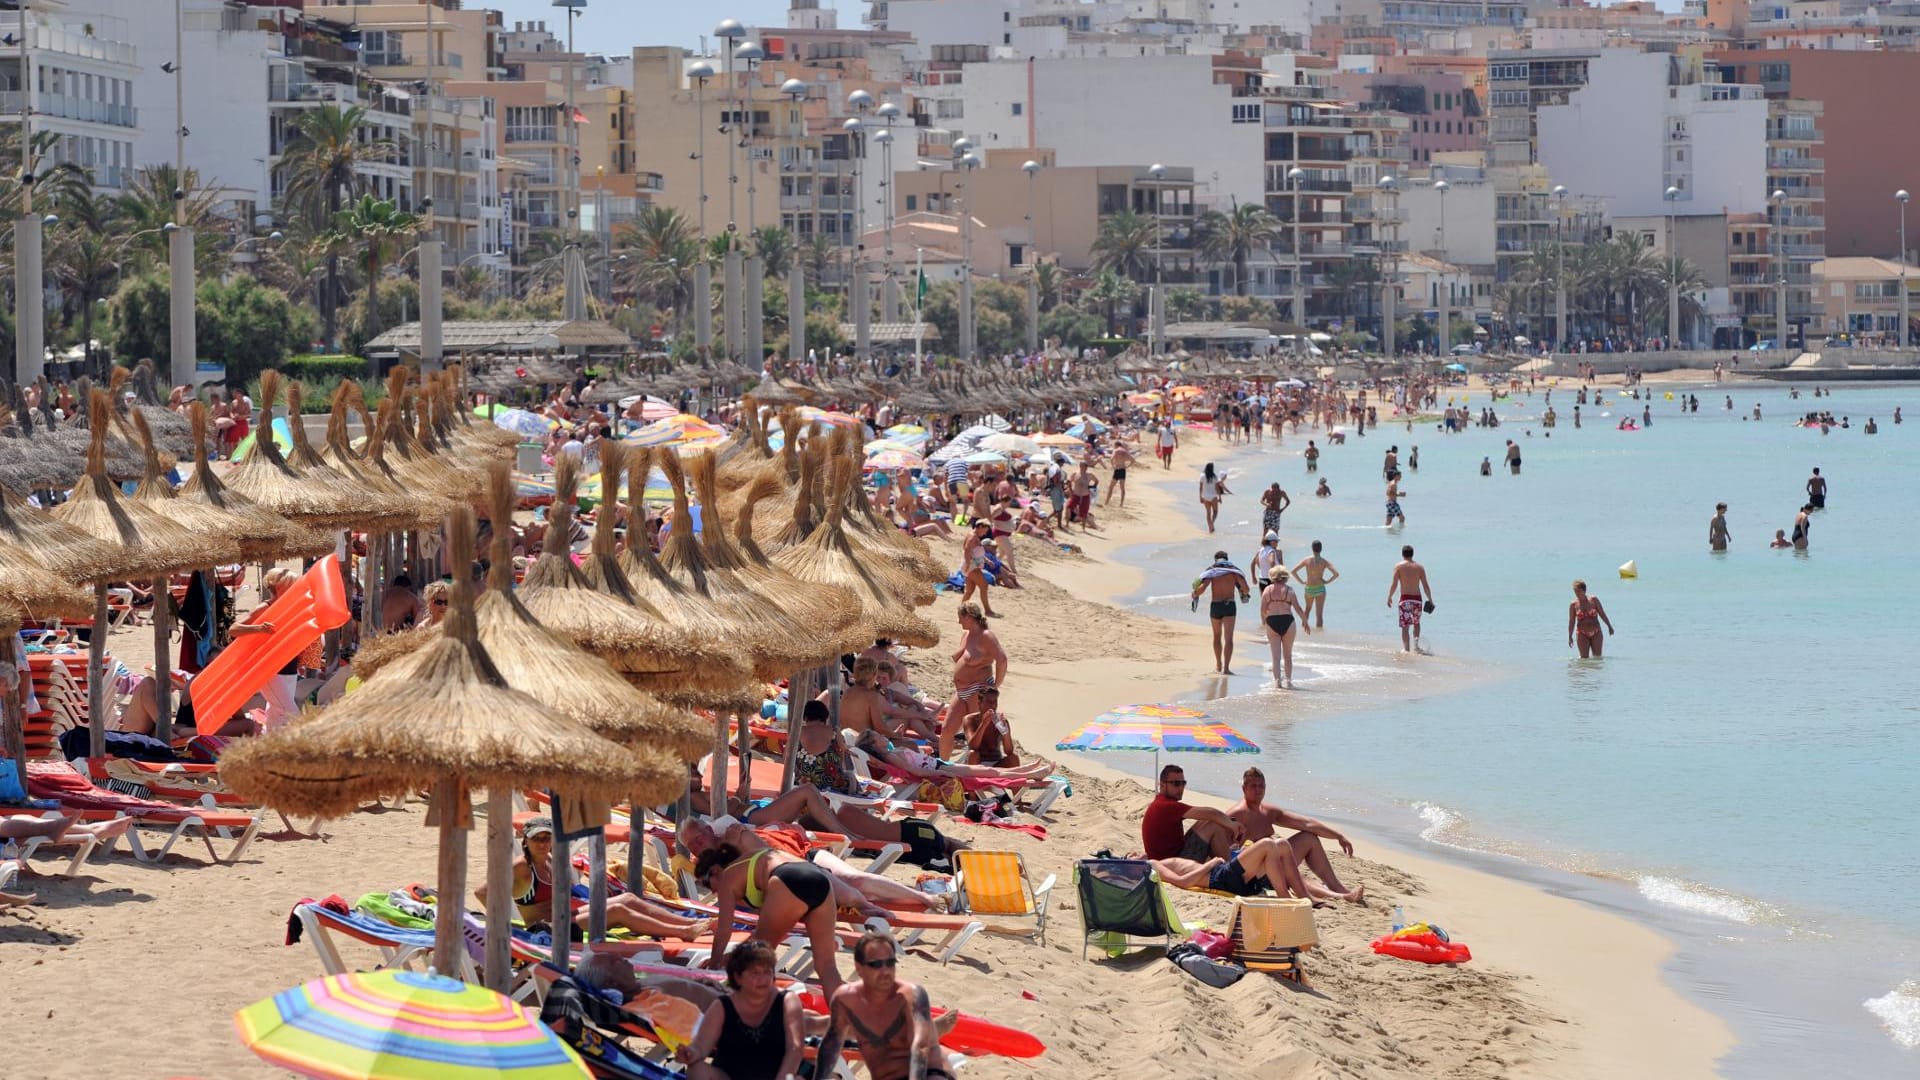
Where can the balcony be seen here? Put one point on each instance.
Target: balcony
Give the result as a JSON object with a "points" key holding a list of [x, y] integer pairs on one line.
{"points": [[1795, 162], [1802, 251], [71, 108], [56, 39], [532, 133], [543, 219], [1804, 193], [319, 50]]}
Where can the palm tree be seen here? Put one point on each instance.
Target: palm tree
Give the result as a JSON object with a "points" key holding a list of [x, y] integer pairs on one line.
{"points": [[321, 166], [1184, 303], [147, 206], [817, 255], [1692, 284], [1047, 282], [83, 257], [775, 247], [661, 250], [1234, 237], [372, 225], [1110, 290], [471, 282], [1125, 244]]}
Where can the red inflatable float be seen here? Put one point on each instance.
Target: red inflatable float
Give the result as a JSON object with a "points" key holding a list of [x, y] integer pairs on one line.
{"points": [[1426, 947]]}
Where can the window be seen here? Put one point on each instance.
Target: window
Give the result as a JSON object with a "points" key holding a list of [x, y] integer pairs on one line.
{"points": [[1016, 255], [913, 203], [1244, 113], [1017, 107]]}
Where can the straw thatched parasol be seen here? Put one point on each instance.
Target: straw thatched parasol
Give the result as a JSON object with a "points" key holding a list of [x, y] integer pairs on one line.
{"points": [[636, 641], [63, 549], [759, 626], [606, 572], [829, 558], [31, 457], [262, 534], [830, 618], [368, 468], [446, 717], [155, 544], [869, 528], [537, 661], [29, 586], [266, 477], [215, 533], [419, 469]]}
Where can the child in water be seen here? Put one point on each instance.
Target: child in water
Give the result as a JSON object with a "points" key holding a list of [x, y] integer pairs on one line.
{"points": [[1486, 466], [1780, 539], [1323, 490]]}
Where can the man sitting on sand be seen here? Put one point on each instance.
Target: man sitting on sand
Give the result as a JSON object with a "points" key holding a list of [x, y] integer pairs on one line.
{"points": [[1258, 819], [1212, 835]]}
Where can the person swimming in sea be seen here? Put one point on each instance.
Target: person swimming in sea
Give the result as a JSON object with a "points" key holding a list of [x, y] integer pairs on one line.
{"points": [[1393, 499], [1323, 491]]}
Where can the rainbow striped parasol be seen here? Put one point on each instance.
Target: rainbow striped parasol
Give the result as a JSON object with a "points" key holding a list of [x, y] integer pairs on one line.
{"points": [[403, 1025], [680, 429], [1158, 727]]}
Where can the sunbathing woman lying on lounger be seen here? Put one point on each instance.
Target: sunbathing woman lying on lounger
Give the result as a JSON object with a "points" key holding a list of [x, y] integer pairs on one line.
{"points": [[872, 894], [533, 894]]}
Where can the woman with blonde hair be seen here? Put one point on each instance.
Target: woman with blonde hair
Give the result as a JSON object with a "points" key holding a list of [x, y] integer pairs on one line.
{"points": [[279, 692]]}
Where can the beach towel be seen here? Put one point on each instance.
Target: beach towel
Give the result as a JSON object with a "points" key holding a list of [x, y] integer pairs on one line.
{"points": [[1038, 832]]}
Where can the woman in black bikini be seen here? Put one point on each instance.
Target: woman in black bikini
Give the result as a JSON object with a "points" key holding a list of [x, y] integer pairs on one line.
{"points": [[1278, 606], [892, 1020], [755, 1032], [787, 891]]}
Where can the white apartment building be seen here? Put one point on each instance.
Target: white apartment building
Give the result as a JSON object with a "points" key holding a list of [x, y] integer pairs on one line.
{"points": [[1238, 16], [225, 57], [1119, 111], [77, 77], [1641, 124], [1462, 235]]}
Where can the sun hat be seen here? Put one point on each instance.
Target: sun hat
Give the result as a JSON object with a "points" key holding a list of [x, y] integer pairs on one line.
{"points": [[537, 827]]}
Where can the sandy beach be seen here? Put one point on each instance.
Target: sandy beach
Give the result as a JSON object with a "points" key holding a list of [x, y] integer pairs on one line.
{"points": [[1557, 988]]}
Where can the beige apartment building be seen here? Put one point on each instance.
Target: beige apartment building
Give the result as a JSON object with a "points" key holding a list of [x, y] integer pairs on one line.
{"points": [[1860, 297], [1068, 205]]}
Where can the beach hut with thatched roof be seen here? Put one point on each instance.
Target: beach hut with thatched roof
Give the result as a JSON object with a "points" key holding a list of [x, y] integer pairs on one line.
{"points": [[446, 718]]}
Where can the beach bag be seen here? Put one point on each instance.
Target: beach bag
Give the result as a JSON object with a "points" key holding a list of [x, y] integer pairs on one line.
{"points": [[1215, 973], [1216, 946], [923, 842], [950, 793], [10, 790]]}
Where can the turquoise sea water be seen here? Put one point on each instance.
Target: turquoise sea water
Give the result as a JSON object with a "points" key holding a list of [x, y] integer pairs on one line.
{"points": [[1739, 769]]}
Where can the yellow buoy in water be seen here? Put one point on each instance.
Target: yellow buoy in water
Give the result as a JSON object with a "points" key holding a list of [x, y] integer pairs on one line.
{"points": [[1669, 395], [1629, 569]]}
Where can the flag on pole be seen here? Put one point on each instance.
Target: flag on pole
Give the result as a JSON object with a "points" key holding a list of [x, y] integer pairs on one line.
{"points": [[920, 288]]}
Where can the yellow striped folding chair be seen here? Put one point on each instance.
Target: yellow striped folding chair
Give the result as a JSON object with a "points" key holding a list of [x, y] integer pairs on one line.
{"points": [[994, 888], [1269, 934]]}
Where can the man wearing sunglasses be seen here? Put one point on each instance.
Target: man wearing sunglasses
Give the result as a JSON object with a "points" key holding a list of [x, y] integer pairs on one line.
{"points": [[1212, 835], [892, 1019]]}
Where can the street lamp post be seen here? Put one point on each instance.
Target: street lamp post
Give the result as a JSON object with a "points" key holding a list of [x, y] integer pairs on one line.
{"points": [[184, 342], [29, 280], [888, 112], [1294, 176], [965, 160], [796, 272], [575, 266], [1777, 247], [730, 31], [1673, 273], [1156, 303], [1445, 291], [1559, 266], [753, 319], [1901, 197], [700, 71], [855, 126], [1032, 169], [1390, 281]]}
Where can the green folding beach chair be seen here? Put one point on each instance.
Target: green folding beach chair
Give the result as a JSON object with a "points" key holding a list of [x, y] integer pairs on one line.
{"points": [[1121, 899]]}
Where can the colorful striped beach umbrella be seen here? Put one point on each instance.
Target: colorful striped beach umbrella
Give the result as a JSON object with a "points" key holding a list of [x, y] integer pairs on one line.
{"points": [[282, 437], [898, 430], [878, 445], [680, 429], [810, 414], [895, 459], [403, 1025], [1156, 728], [527, 425], [1064, 442]]}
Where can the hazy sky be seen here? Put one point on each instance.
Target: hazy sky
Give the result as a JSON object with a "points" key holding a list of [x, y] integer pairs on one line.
{"points": [[615, 26]]}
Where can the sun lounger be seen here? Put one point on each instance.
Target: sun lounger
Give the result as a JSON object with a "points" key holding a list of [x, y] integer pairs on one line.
{"points": [[77, 797], [1121, 899], [1050, 789], [24, 849], [994, 888], [188, 782]]}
